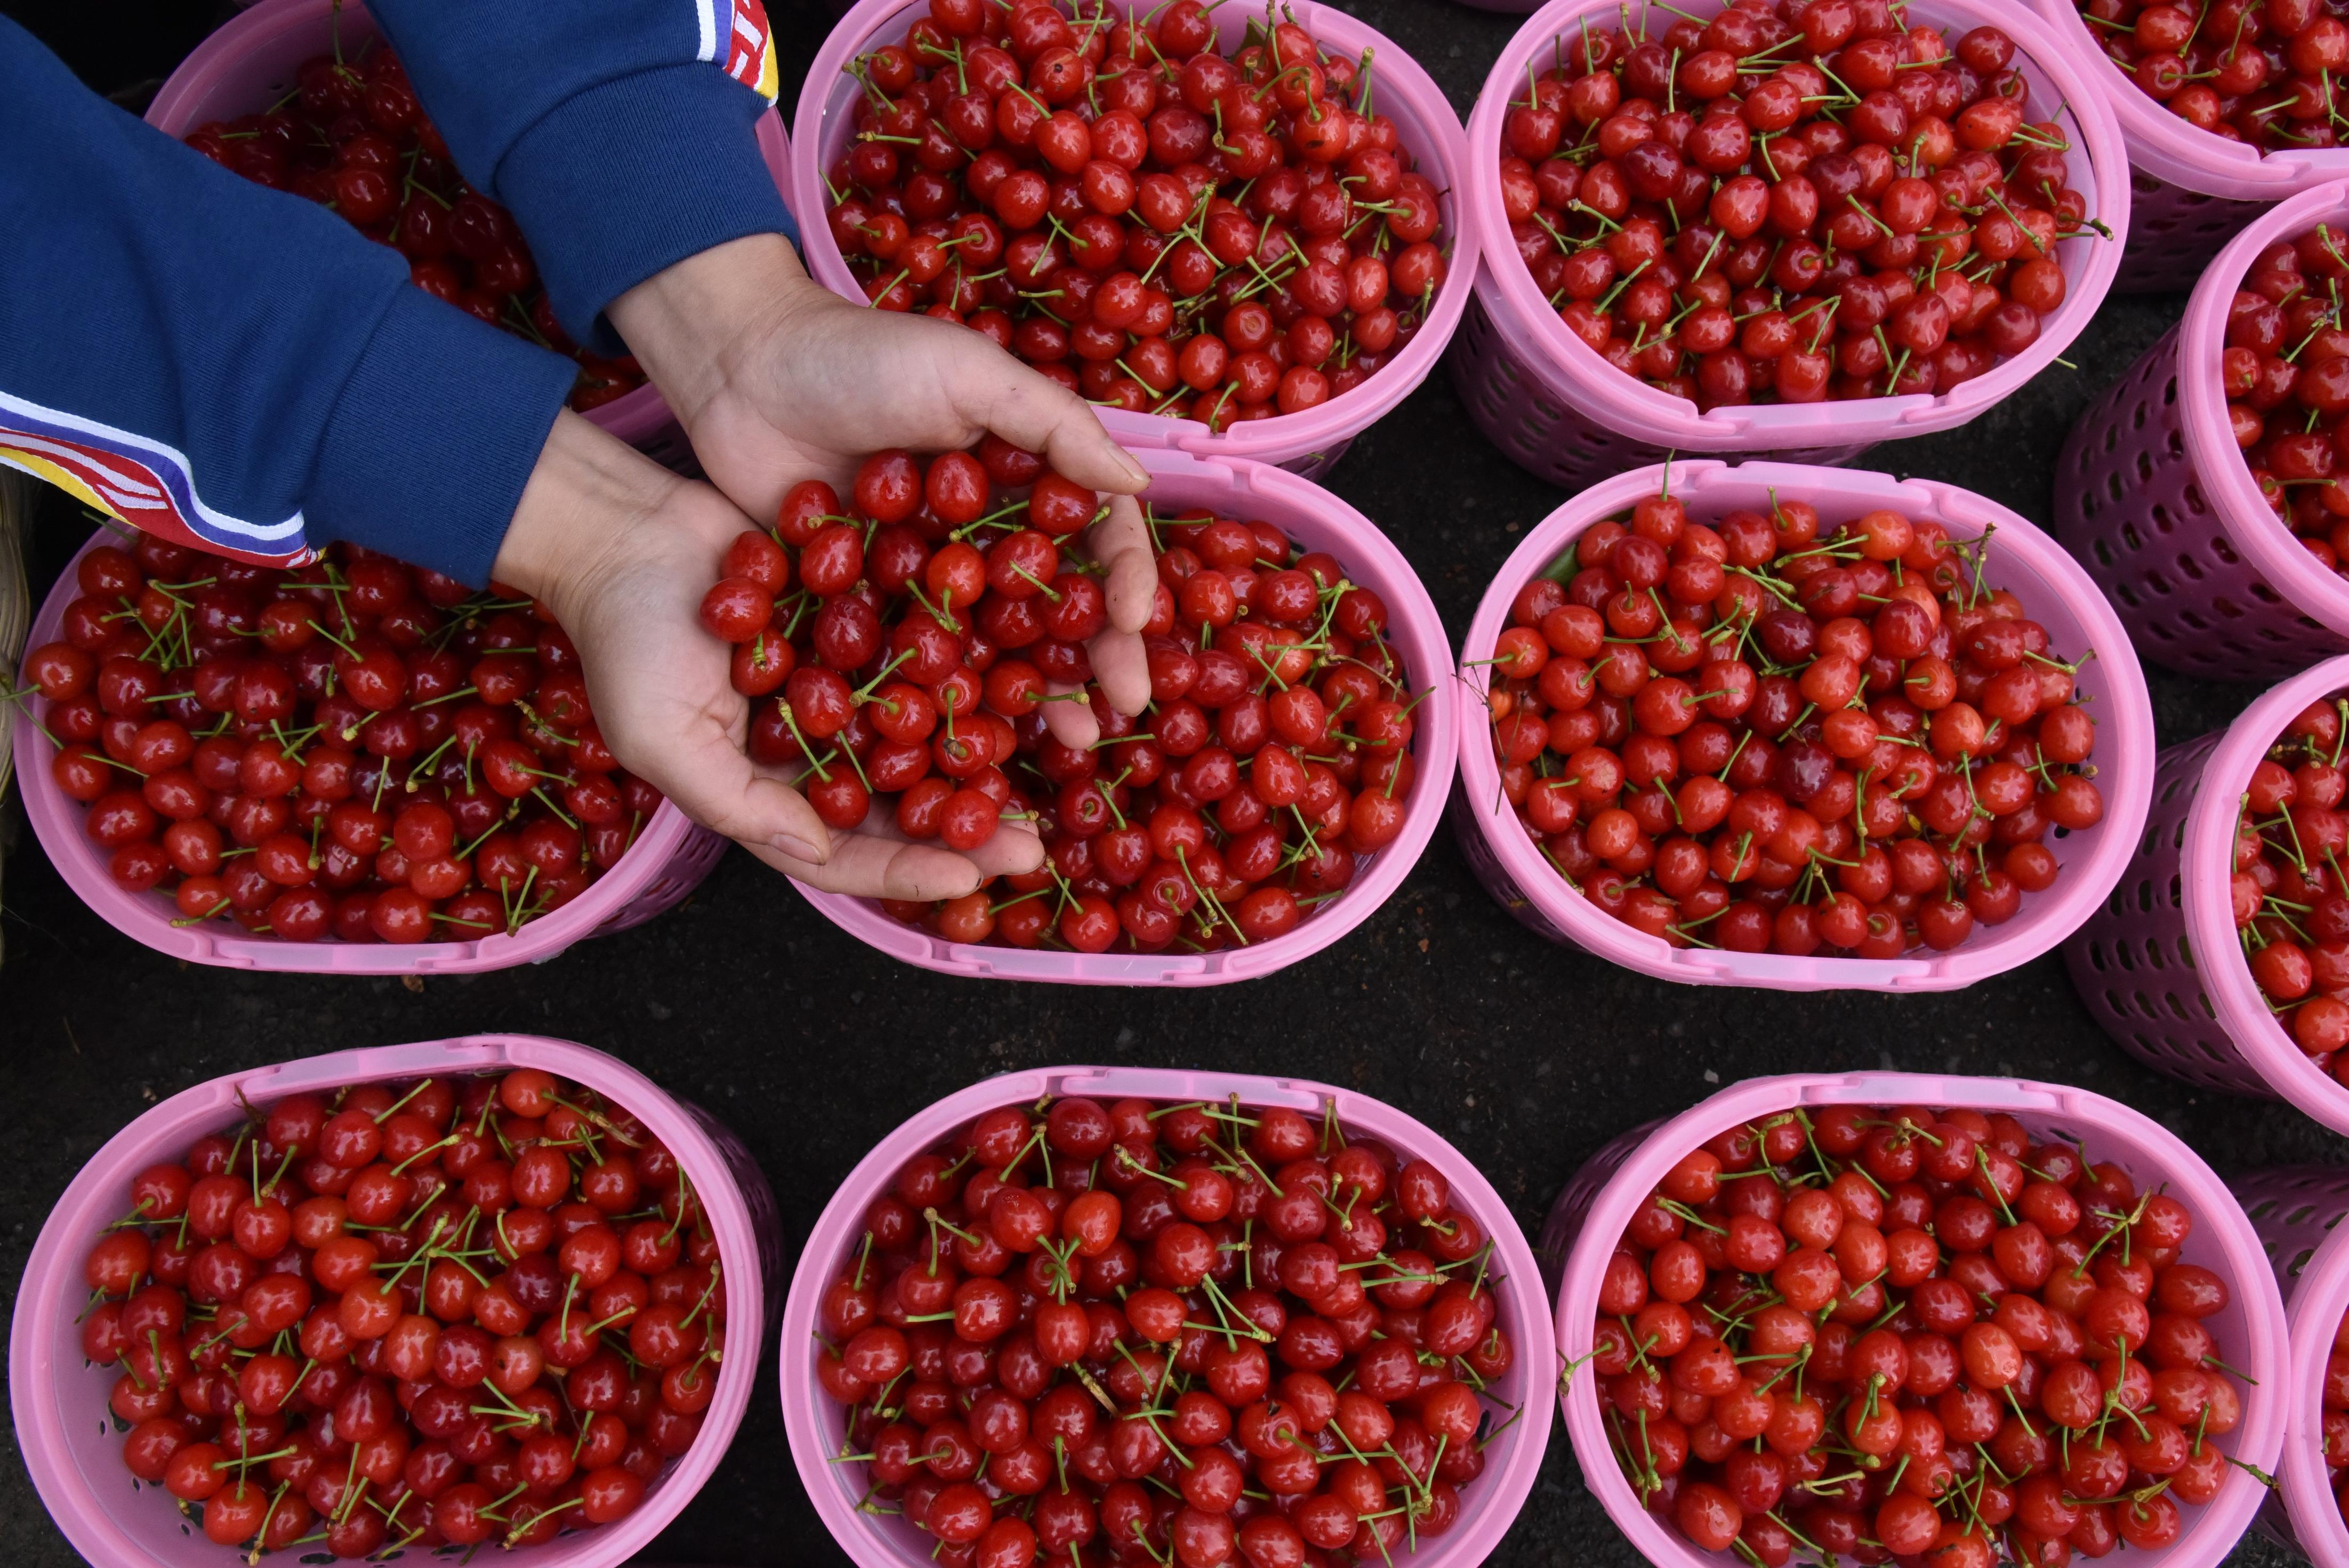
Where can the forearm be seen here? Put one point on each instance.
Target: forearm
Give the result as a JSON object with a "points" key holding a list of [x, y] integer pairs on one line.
{"points": [[691, 323], [621, 133], [584, 494], [233, 367]]}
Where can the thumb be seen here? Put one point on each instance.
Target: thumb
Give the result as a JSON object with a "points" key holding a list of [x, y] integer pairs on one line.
{"points": [[997, 392], [718, 788]]}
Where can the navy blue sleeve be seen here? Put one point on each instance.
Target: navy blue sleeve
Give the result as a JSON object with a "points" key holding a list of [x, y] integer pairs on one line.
{"points": [[622, 134], [235, 367]]}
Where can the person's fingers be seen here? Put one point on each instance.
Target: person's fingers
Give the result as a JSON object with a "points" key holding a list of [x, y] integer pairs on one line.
{"points": [[1120, 542], [1072, 723], [993, 390], [869, 865], [713, 782], [877, 861], [1122, 669], [1015, 849]]}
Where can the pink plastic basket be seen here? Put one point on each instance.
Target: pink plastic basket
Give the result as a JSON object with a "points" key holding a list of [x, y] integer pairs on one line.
{"points": [[2297, 1210], [1590, 1215], [2159, 964], [1561, 410], [1316, 520], [2194, 189], [2155, 498], [249, 64], [59, 1402], [1514, 871], [1488, 1504], [1309, 442], [670, 858]]}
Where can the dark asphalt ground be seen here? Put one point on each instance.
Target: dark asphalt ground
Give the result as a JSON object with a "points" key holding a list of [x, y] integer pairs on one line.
{"points": [[1528, 1056]]}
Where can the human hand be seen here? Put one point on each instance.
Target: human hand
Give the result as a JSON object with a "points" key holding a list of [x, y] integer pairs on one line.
{"points": [[778, 379], [621, 551]]}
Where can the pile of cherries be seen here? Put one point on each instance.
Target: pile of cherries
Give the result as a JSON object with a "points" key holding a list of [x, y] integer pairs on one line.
{"points": [[2285, 369], [425, 1314], [1796, 200], [355, 749], [352, 138], [907, 645], [1152, 223], [2255, 71], [1064, 1338], [2290, 908], [1911, 1334], [1772, 735]]}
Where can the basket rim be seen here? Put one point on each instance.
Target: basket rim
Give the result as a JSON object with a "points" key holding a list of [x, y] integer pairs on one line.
{"points": [[1499, 1495], [1283, 438], [2051, 916], [2211, 1531], [93, 1196], [2165, 147], [1573, 371], [1418, 632], [2206, 868], [146, 918]]}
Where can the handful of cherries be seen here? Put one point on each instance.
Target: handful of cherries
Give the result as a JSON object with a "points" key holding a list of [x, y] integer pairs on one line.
{"points": [[2291, 911], [905, 642], [1201, 1334], [1154, 222], [355, 749], [1911, 1334], [1775, 733], [2254, 71], [1793, 200], [352, 138], [410, 1315]]}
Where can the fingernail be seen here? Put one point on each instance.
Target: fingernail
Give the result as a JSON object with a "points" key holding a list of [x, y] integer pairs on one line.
{"points": [[1135, 474], [799, 848]]}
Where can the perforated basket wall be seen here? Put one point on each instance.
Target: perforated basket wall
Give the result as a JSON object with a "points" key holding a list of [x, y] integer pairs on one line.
{"points": [[2159, 963], [2130, 505], [2132, 961], [1539, 430], [2174, 232], [2297, 1211], [2154, 496]]}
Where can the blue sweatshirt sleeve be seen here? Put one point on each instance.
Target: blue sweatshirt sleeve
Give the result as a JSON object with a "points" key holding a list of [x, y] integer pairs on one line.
{"points": [[622, 134], [234, 367]]}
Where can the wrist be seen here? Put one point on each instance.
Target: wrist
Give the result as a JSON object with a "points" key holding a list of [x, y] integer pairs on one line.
{"points": [[586, 493], [691, 324]]}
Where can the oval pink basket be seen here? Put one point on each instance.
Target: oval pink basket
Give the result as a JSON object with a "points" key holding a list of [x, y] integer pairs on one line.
{"points": [[2155, 498], [1316, 520], [2159, 963], [249, 63], [1514, 869], [1589, 1217], [1307, 442], [59, 1402], [670, 858], [2192, 189], [1561, 411], [2298, 1211], [1488, 1505]]}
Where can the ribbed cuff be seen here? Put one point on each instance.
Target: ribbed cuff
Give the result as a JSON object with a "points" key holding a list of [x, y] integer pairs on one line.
{"points": [[627, 177], [433, 437]]}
